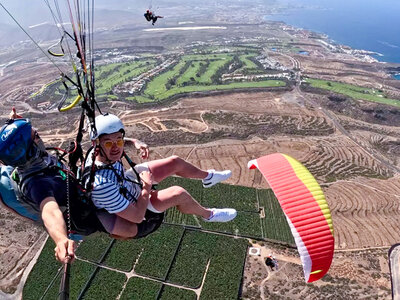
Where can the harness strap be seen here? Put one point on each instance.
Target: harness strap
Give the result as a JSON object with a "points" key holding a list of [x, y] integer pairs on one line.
{"points": [[132, 165], [77, 154], [89, 186]]}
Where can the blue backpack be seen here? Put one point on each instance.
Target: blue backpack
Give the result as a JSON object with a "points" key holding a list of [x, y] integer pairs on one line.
{"points": [[11, 196]]}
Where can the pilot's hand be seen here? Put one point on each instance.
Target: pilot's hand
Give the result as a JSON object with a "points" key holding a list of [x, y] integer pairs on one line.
{"points": [[13, 114]]}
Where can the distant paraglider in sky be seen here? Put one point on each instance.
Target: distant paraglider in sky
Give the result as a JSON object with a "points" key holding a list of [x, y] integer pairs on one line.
{"points": [[150, 15], [305, 208]]}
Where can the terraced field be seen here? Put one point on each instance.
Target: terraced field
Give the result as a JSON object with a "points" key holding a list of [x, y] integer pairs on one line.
{"points": [[331, 162], [365, 210]]}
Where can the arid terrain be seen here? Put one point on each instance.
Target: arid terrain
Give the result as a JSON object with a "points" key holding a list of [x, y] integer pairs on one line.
{"points": [[350, 146], [360, 191]]}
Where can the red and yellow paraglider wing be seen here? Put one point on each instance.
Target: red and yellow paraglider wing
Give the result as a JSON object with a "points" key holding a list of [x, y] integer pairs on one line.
{"points": [[306, 210]]}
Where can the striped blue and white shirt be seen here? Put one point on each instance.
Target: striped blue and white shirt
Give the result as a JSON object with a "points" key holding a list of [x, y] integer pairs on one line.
{"points": [[106, 191]]}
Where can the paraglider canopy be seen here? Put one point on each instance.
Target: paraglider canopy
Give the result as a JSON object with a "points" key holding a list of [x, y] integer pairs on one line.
{"points": [[305, 208]]}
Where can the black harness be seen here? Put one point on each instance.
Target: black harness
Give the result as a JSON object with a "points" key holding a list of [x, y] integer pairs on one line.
{"points": [[152, 220], [80, 212]]}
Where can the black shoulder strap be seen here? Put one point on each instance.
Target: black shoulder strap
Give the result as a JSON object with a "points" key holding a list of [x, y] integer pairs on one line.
{"points": [[132, 165]]}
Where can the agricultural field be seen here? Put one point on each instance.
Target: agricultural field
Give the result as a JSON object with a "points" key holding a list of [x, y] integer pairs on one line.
{"points": [[259, 212], [183, 259], [165, 266]]}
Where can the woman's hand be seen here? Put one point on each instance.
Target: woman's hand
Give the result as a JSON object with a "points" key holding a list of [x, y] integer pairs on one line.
{"points": [[139, 145], [143, 148]]}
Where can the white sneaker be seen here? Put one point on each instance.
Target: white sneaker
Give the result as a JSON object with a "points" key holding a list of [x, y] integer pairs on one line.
{"points": [[215, 177], [221, 215]]}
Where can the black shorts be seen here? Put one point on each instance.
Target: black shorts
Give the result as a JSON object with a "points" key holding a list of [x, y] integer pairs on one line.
{"points": [[47, 184], [51, 183], [150, 224]]}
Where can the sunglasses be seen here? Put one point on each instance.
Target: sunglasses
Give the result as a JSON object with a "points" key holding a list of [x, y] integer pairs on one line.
{"points": [[109, 144]]}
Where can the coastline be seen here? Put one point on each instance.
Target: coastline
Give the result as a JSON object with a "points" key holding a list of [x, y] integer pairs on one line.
{"points": [[365, 55], [374, 27]]}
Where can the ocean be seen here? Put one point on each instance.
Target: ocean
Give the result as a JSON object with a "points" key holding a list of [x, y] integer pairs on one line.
{"points": [[361, 24]]}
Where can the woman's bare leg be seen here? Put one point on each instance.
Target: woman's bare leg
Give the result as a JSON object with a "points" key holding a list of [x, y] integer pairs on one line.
{"points": [[174, 165], [179, 197], [124, 229]]}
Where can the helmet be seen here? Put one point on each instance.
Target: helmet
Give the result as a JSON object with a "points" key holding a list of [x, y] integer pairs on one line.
{"points": [[15, 142], [107, 124], [148, 11]]}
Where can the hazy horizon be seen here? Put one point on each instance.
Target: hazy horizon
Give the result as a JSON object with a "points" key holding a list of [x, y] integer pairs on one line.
{"points": [[31, 13]]}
